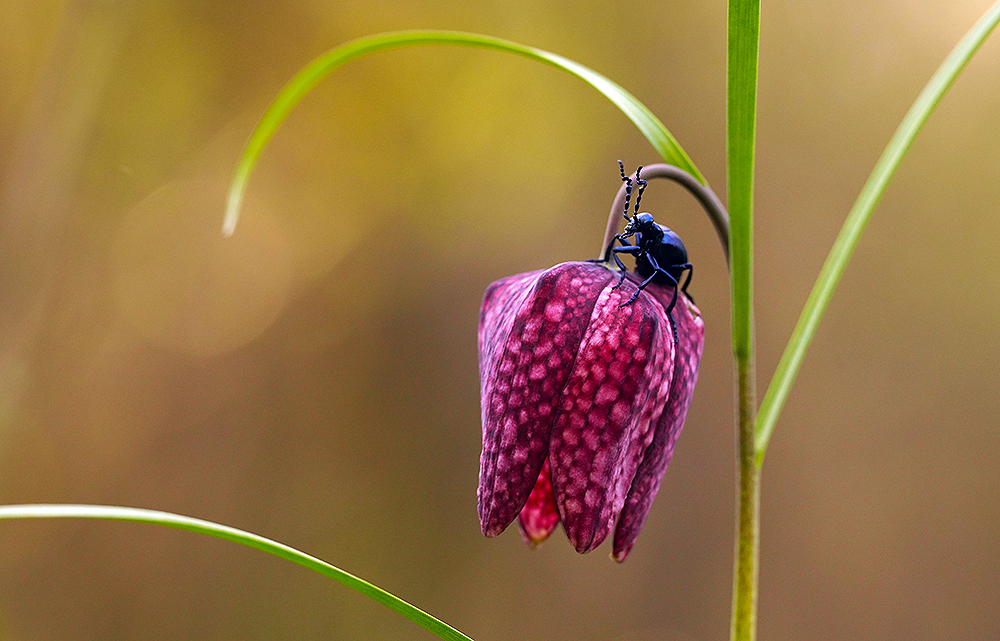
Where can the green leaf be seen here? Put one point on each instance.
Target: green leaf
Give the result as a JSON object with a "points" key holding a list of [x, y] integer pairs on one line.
{"points": [[857, 219], [198, 526], [650, 126], [741, 123]]}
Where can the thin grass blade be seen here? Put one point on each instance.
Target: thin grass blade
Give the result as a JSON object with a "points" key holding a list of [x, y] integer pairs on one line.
{"points": [[649, 125], [741, 125], [857, 219], [208, 528]]}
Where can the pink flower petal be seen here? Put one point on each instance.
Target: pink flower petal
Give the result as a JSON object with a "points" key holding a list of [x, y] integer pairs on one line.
{"points": [[501, 303], [617, 390], [531, 328], [691, 337]]}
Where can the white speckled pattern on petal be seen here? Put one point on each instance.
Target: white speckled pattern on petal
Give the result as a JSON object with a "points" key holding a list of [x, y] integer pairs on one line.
{"points": [[582, 401], [527, 351], [691, 335]]}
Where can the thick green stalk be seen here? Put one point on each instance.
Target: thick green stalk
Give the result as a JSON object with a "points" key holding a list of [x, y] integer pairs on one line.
{"points": [[741, 121], [744, 624]]}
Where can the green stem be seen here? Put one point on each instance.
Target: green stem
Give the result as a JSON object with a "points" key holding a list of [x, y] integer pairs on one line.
{"points": [[741, 122], [744, 625]]}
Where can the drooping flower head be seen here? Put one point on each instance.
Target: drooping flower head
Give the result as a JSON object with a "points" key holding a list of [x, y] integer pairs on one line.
{"points": [[583, 398]]}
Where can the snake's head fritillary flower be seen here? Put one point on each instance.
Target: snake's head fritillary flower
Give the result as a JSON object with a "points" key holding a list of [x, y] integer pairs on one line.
{"points": [[583, 397]]}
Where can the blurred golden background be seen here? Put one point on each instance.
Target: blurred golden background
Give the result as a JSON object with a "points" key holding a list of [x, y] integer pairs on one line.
{"points": [[313, 379]]}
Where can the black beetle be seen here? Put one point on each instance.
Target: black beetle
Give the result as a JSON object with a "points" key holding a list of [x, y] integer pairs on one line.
{"points": [[660, 255]]}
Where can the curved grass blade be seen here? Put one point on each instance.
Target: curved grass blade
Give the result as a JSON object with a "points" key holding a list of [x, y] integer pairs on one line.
{"points": [[198, 526], [649, 125], [857, 219]]}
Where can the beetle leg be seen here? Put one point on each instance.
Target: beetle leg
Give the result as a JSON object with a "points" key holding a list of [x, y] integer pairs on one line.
{"points": [[614, 251], [638, 289], [621, 267], [690, 270], [673, 301]]}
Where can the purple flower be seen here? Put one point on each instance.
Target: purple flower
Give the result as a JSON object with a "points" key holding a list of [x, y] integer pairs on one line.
{"points": [[582, 401]]}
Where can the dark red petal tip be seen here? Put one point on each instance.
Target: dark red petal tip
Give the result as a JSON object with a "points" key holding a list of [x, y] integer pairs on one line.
{"points": [[539, 516]]}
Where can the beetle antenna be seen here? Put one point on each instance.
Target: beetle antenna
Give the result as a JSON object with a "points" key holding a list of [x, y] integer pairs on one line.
{"points": [[628, 189], [642, 187]]}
